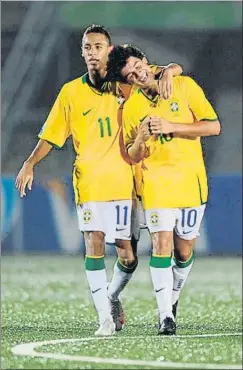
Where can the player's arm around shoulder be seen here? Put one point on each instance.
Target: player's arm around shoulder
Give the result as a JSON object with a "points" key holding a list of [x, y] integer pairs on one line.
{"points": [[166, 74], [206, 121]]}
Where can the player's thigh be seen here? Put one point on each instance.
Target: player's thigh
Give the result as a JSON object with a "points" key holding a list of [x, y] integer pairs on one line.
{"points": [[90, 222], [94, 243], [188, 222], [162, 243], [161, 223]]}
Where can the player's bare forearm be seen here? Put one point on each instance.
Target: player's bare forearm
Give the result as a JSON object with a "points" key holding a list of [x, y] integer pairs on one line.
{"points": [[137, 151], [202, 128], [26, 173], [165, 83], [41, 150], [181, 136], [174, 68]]}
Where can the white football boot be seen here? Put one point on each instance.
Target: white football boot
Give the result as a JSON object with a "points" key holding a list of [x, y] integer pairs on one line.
{"points": [[106, 329]]}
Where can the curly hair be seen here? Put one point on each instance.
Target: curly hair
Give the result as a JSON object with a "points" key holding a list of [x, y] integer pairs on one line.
{"points": [[118, 59]]}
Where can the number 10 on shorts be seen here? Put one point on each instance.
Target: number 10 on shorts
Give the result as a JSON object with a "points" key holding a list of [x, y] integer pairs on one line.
{"points": [[189, 218]]}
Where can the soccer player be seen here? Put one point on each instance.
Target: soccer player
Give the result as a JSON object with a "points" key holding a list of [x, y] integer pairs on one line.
{"points": [[87, 109], [165, 136]]}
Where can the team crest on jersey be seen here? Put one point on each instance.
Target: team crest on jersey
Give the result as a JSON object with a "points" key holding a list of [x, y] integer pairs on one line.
{"points": [[174, 106], [154, 218], [87, 215]]}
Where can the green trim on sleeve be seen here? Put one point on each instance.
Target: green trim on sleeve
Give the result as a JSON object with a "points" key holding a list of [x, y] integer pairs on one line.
{"points": [[49, 142], [210, 120]]}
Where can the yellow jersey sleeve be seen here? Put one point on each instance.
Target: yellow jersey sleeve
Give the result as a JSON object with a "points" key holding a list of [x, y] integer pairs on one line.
{"points": [[56, 129], [197, 101]]}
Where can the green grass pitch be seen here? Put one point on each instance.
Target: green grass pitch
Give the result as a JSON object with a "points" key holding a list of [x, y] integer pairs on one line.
{"points": [[47, 298]]}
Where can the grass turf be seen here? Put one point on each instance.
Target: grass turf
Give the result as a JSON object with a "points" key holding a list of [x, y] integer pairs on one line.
{"points": [[47, 297]]}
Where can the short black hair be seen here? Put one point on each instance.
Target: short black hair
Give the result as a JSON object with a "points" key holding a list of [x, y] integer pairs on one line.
{"points": [[118, 59], [95, 28]]}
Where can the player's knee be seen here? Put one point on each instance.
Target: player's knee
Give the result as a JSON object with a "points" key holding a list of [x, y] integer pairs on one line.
{"points": [[94, 243], [183, 256], [183, 249], [125, 251], [130, 264], [123, 244], [162, 243]]}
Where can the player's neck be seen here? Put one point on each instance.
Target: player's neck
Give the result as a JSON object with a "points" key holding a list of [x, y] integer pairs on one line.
{"points": [[97, 78], [152, 91]]}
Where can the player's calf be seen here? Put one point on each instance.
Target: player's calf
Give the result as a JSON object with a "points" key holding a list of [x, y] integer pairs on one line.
{"points": [[183, 258], [162, 278], [96, 276], [123, 272]]}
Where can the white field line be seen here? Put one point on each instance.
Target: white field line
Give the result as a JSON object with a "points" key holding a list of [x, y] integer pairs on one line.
{"points": [[28, 349]]}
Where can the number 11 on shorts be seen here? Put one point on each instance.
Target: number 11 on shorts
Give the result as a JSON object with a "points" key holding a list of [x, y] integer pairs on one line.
{"points": [[121, 214]]}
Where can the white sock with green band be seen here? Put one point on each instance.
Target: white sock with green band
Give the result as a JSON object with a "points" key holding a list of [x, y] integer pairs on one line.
{"points": [[97, 279], [121, 276], [162, 278], [181, 271]]}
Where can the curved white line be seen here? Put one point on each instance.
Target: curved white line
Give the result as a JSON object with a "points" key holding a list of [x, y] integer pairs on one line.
{"points": [[28, 349]]}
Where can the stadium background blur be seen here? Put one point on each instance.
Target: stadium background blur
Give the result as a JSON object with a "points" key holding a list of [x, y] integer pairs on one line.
{"points": [[41, 51]]}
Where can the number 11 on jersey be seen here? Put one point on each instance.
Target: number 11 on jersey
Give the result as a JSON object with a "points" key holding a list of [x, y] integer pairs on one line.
{"points": [[105, 128]]}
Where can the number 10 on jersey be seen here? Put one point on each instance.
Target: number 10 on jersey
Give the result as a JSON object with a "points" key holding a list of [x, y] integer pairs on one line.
{"points": [[105, 126]]}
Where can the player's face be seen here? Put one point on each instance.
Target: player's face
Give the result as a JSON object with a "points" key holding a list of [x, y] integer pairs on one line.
{"points": [[138, 72], [95, 50]]}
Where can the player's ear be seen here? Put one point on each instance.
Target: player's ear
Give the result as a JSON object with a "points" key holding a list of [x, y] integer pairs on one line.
{"points": [[145, 60], [110, 48], [81, 52]]}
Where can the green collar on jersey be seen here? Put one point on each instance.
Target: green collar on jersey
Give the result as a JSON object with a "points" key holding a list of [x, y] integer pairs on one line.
{"points": [[99, 89]]}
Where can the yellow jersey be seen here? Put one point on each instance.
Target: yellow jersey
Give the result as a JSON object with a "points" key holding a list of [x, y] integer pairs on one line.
{"points": [[173, 173], [127, 91], [90, 116]]}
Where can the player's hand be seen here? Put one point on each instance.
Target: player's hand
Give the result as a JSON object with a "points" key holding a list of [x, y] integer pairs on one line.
{"points": [[144, 133], [24, 178], [159, 126], [165, 84]]}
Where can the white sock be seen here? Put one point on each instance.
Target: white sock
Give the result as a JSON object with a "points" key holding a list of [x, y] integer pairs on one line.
{"points": [[121, 277], [162, 279], [180, 275], [97, 280]]}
